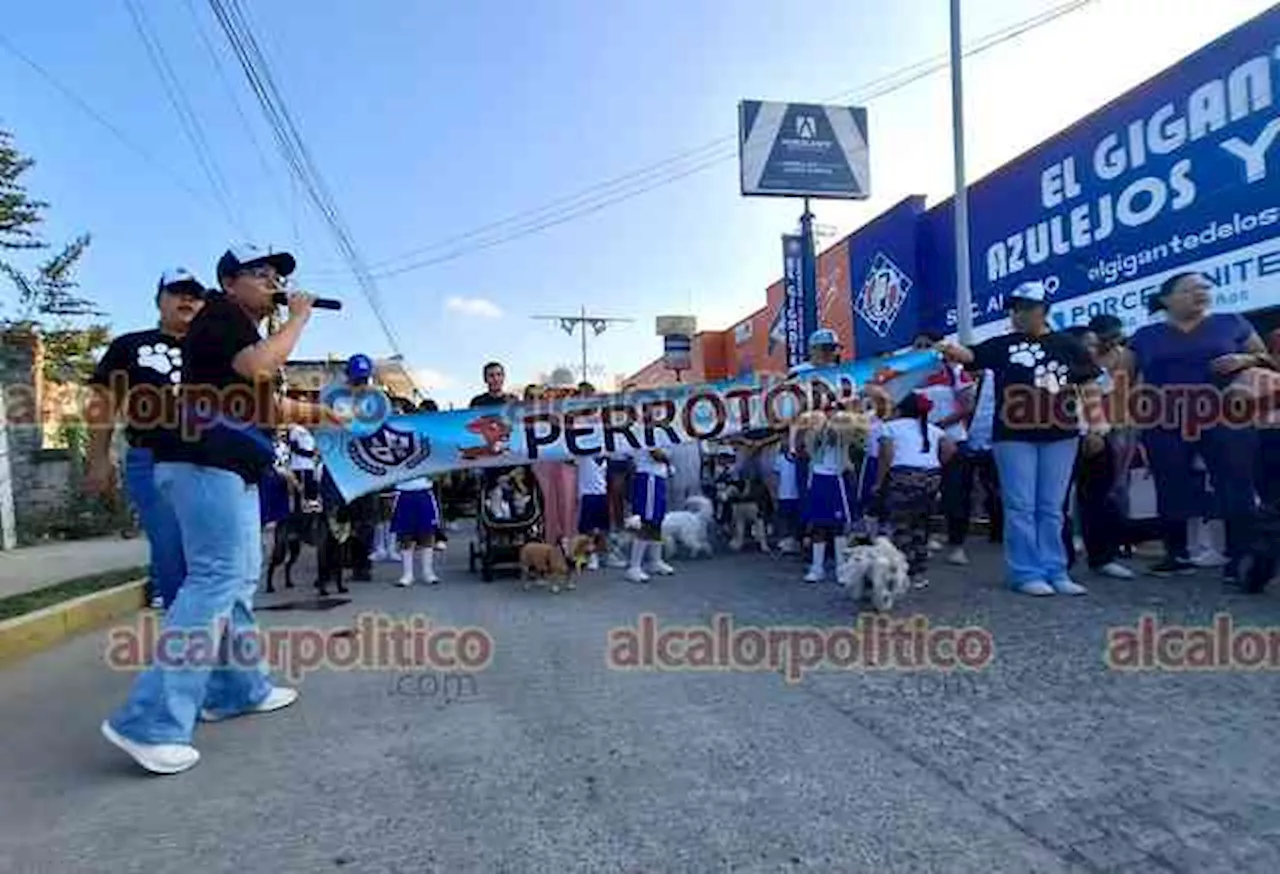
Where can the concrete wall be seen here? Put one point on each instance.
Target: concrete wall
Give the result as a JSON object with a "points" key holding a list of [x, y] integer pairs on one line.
{"points": [[37, 479]]}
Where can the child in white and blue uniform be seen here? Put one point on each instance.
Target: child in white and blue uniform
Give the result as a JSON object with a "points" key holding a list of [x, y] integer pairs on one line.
{"points": [[789, 511], [830, 506], [415, 522], [649, 502], [593, 504]]}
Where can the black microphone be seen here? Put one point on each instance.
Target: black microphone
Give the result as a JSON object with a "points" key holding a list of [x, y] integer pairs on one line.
{"points": [[281, 299]]}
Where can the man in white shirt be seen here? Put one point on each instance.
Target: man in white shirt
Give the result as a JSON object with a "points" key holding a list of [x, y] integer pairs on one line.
{"points": [[303, 459]]}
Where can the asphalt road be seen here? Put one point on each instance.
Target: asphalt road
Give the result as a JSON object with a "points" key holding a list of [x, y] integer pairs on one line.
{"points": [[551, 761]]}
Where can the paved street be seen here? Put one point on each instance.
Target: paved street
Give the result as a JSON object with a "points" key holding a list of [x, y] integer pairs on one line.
{"points": [[1046, 761]]}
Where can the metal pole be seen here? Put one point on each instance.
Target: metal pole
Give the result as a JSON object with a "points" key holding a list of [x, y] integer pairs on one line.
{"points": [[584, 344], [808, 280], [964, 294]]}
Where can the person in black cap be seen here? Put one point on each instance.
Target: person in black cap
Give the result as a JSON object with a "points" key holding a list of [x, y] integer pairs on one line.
{"points": [[138, 377], [212, 665]]}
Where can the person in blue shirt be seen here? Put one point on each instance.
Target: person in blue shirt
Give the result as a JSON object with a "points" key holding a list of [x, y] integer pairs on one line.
{"points": [[1190, 351]]}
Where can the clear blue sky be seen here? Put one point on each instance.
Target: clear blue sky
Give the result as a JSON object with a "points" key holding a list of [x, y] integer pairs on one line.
{"points": [[429, 119]]}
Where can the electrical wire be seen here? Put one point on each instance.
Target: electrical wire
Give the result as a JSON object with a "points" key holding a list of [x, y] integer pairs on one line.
{"points": [[88, 110], [684, 164], [190, 124], [263, 163], [667, 172], [294, 151]]}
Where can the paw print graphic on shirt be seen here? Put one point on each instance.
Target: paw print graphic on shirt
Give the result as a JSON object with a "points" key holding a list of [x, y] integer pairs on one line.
{"points": [[163, 359], [1026, 354], [1051, 376]]}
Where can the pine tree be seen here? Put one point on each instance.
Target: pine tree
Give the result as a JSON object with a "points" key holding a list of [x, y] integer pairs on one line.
{"points": [[47, 295]]}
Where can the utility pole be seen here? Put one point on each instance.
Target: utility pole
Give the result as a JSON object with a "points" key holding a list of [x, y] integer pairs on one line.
{"points": [[569, 324], [964, 293]]}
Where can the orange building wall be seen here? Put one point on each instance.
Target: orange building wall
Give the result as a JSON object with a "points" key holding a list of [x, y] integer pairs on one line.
{"points": [[717, 355]]}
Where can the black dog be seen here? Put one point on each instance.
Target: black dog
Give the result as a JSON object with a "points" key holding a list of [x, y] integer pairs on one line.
{"points": [[1259, 566], [306, 527]]}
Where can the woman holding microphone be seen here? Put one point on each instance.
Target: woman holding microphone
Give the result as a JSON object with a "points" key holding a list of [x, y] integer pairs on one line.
{"points": [[211, 476]]}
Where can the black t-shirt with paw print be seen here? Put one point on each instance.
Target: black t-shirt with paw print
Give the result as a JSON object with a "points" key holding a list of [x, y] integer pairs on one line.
{"points": [[1035, 385], [226, 417], [143, 370]]}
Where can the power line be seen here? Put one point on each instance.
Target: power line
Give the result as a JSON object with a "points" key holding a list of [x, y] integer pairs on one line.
{"points": [[665, 172], [190, 124], [231, 96], [293, 148], [642, 181], [88, 110]]}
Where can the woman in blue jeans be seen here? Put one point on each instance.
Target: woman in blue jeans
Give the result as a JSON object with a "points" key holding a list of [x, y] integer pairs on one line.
{"points": [[1043, 381], [209, 663]]}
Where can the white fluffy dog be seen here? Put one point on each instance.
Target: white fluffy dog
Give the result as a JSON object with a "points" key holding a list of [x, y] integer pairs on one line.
{"points": [[688, 528], [881, 567]]}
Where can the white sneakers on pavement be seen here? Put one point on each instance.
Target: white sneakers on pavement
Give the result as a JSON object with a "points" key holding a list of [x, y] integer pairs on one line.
{"points": [[176, 758], [156, 758]]}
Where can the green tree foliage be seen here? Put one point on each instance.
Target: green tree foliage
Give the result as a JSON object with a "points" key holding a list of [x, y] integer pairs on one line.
{"points": [[46, 293]]}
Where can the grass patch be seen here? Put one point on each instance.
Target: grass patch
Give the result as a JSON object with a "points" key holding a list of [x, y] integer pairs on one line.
{"points": [[29, 602]]}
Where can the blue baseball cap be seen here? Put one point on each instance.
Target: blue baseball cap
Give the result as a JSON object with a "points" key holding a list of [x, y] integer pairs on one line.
{"points": [[824, 337], [246, 256], [180, 280]]}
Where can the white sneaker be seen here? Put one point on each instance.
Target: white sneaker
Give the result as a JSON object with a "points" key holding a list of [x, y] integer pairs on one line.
{"points": [[935, 545], [958, 556], [278, 698], [1038, 588], [1116, 571], [405, 581], [1209, 558], [660, 567], [919, 583], [593, 563], [635, 575], [788, 546], [442, 547], [378, 555], [1068, 586], [815, 575], [431, 578], [156, 758], [617, 562]]}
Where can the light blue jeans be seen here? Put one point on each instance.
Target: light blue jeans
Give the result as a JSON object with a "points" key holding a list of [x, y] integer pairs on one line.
{"points": [[168, 567], [1034, 478], [209, 651]]}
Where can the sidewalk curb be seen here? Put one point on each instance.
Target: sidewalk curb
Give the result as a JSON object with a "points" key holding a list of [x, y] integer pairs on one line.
{"points": [[24, 636]]}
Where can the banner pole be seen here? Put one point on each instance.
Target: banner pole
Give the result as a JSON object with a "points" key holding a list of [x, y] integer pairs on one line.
{"points": [[964, 294], [808, 279]]}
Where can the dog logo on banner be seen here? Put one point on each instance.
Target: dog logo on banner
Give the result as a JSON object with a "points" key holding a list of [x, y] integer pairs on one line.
{"points": [[882, 295], [388, 448]]}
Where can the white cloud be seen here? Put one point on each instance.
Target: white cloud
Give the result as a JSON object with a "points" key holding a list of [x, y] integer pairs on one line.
{"points": [[473, 306]]}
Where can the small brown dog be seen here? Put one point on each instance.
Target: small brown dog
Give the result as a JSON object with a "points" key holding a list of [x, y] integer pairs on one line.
{"points": [[545, 561]]}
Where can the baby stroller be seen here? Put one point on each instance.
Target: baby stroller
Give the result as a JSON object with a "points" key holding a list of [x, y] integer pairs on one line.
{"points": [[509, 515]]}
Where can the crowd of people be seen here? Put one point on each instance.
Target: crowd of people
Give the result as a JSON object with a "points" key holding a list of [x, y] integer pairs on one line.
{"points": [[1049, 425]]}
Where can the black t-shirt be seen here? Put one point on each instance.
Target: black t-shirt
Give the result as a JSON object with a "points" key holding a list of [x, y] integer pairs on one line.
{"points": [[1035, 385], [490, 400], [143, 371], [226, 417]]}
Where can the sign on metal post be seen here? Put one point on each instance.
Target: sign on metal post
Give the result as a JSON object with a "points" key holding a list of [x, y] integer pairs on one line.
{"points": [[803, 150], [793, 299], [677, 340]]}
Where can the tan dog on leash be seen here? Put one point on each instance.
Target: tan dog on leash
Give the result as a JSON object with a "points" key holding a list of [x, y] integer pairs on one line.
{"points": [[545, 561]]}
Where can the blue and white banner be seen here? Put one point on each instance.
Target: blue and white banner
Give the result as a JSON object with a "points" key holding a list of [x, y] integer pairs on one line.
{"points": [[1180, 173], [374, 455], [803, 150], [792, 312], [882, 264]]}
